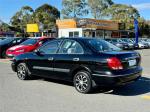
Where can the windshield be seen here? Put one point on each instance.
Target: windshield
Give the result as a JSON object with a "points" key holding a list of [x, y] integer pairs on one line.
{"points": [[29, 42], [5, 41], [101, 45]]}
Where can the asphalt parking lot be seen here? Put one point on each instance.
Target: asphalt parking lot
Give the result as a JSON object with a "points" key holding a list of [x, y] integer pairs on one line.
{"points": [[46, 95]]}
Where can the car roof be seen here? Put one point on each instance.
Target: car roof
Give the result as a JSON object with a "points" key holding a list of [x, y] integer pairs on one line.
{"points": [[79, 38], [39, 38]]}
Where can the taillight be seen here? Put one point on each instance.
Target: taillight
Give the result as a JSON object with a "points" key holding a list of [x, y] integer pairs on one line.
{"points": [[114, 63]]}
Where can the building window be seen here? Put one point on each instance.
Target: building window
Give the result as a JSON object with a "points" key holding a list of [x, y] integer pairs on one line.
{"points": [[70, 34], [100, 33], [73, 34], [76, 34]]}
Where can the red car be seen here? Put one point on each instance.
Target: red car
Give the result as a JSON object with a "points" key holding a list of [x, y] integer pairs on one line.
{"points": [[27, 46]]}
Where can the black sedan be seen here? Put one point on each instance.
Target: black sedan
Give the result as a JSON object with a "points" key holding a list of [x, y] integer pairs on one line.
{"points": [[86, 62], [9, 42]]}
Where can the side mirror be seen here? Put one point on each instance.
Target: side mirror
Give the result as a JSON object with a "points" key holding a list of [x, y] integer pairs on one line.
{"points": [[37, 51], [40, 43]]}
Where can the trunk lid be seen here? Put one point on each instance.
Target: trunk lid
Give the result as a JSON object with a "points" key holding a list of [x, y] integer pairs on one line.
{"points": [[129, 59]]}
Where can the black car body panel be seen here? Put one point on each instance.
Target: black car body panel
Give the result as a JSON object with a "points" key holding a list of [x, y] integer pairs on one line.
{"points": [[65, 66], [9, 42]]}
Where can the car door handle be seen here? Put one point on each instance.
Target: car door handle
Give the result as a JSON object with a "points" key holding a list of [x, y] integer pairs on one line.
{"points": [[76, 59], [51, 59]]}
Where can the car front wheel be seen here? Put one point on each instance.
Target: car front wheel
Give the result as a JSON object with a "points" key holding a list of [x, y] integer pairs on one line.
{"points": [[83, 82], [22, 71]]}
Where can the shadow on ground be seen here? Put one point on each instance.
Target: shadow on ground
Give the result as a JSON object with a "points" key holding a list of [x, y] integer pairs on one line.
{"points": [[141, 86]]}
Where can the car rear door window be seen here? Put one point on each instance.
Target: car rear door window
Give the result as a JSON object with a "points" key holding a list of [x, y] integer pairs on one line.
{"points": [[71, 47]]}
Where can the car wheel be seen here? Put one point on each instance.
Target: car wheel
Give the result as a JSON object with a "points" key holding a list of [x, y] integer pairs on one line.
{"points": [[22, 71], [83, 82]]}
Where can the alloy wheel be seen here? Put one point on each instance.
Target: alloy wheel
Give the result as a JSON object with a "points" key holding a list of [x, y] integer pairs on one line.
{"points": [[21, 72], [82, 82]]}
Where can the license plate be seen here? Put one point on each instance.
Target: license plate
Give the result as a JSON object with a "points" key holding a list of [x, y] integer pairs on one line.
{"points": [[132, 62]]}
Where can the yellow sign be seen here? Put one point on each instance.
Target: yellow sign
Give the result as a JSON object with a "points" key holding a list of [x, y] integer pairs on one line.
{"points": [[32, 28]]}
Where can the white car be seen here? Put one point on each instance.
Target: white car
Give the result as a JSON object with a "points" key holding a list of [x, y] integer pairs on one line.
{"points": [[141, 45]]}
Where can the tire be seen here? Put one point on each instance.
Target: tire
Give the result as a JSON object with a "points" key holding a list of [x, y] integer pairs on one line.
{"points": [[23, 71], [4, 54], [83, 82]]}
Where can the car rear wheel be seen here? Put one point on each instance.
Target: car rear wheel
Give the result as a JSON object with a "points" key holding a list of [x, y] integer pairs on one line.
{"points": [[83, 82], [4, 54], [23, 71]]}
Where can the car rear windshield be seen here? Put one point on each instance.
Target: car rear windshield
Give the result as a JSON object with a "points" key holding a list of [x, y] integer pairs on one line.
{"points": [[30, 42], [101, 45]]}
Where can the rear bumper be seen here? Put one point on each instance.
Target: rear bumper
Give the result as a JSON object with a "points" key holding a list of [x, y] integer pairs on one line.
{"points": [[107, 80]]}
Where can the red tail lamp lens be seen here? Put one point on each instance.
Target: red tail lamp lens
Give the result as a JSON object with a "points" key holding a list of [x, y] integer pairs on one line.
{"points": [[114, 63]]}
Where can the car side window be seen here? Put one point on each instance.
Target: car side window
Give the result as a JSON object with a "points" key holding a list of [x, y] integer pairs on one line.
{"points": [[42, 41], [50, 47], [19, 40], [14, 41], [71, 47]]}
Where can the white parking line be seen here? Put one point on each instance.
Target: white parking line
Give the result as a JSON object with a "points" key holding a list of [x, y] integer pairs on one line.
{"points": [[4, 61]]}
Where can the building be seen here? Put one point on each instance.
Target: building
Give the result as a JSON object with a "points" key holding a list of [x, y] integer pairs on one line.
{"points": [[88, 28], [6, 34]]}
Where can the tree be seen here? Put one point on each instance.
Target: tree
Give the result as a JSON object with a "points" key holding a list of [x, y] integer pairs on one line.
{"points": [[27, 13], [46, 16], [22, 17], [4, 27], [144, 28], [98, 6], [122, 12], [74, 8]]}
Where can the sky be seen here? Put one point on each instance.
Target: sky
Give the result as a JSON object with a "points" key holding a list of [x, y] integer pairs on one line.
{"points": [[9, 7]]}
